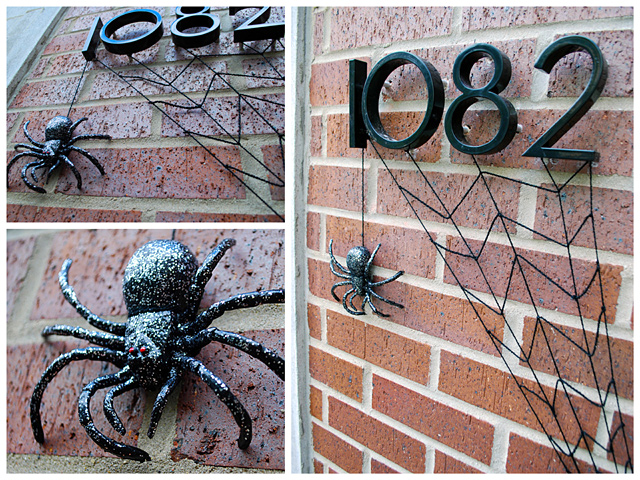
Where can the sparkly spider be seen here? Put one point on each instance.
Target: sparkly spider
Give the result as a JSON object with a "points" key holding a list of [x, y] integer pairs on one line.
{"points": [[359, 262], [162, 288], [58, 143]]}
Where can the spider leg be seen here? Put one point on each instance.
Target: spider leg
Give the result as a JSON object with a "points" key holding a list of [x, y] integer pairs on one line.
{"points": [[26, 180], [109, 411], [74, 170], [32, 148], [344, 302], [90, 353], [93, 159], [76, 123], [390, 279], [370, 262], [221, 390], [338, 274], [26, 133], [345, 270], [203, 275], [353, 306], [113, 342], [161, 400], [339, 284], [41, 164], [267, 356], [373, 307], [242, 300], [71, 297], [390, 302], [98, 136], [84, 412]]}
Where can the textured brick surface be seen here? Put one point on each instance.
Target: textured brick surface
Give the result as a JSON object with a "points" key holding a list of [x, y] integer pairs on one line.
{"points": [[343, 454], [313, 318], [379, 437], [581, 357], [497, 392], [445, 424], [336, 373], [622, 440], [526, 456], [446, 464], [392, 352], [341, 188], [18, 255], [205, 429], [62, 430], [31, 213], [315, 402], [213, 217]]}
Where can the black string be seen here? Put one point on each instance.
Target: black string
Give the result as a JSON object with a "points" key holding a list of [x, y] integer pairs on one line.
{"points": [[75, 95], [362, 197], [565, 389]]}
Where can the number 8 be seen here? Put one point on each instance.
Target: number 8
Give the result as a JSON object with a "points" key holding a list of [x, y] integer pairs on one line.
{"points": [[461, 77]]}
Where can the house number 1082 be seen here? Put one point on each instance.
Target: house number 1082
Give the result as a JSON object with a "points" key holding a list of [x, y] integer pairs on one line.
{"points": [[364, 92]]}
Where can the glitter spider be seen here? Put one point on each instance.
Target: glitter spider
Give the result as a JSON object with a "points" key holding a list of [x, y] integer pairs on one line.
{"points": [[162, 288], [359, 261], [58, 143]]}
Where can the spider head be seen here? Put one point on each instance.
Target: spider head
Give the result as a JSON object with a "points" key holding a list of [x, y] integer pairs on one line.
{"points": [[51, 147], [357, 260], [58, 128]]}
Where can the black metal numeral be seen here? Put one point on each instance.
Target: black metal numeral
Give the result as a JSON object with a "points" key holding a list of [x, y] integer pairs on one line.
{"points": [[461, 77], [371, 94], [191, 17], [132, 45], [551, 55], [255, 28]]}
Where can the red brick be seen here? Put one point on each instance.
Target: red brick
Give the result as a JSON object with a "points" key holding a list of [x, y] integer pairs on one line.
{"points": [[377, 346], [571, 75], [202, 217], [612, 210], [317, 466], [498, 392], [441, 422], [481, 18], [492, 274], [261, 114], [32, 213], [19, 253], [526, 456], [336, 187], [446, 464], [329, 83], [379, 467], [333, 448], [268, 72], [402, 248], [66, 43], [315, 402], [621, 441], [465, 202], [556, 347], [273, 158], [402, 124], [68, 63], [315, 141], [313, 231], [205, 429], [173, 172], [59, 410], [314, 321], [379, 437], [318, 34], [608, 132], [336, 373], [47, 92], [131, 120], [363, 26]]}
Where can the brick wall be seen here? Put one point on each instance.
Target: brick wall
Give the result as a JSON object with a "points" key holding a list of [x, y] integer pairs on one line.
{"points": [[196, 432], [153, 171], [426, 390]]}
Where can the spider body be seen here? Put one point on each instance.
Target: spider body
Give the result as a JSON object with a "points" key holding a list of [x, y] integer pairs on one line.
{"points": [[358, 276], [58, 144], [162, 287]]}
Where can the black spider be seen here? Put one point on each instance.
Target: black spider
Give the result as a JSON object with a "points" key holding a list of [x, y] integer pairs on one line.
{"points": [[162, 288], [359, 261], [58, 143]]}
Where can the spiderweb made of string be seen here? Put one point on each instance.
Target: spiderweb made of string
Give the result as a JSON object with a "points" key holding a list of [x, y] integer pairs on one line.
{"points": [[229, 119], [544, 356]]}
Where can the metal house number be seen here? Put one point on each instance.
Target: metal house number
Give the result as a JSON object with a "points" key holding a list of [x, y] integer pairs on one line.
{"points": [[364, 92]]}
